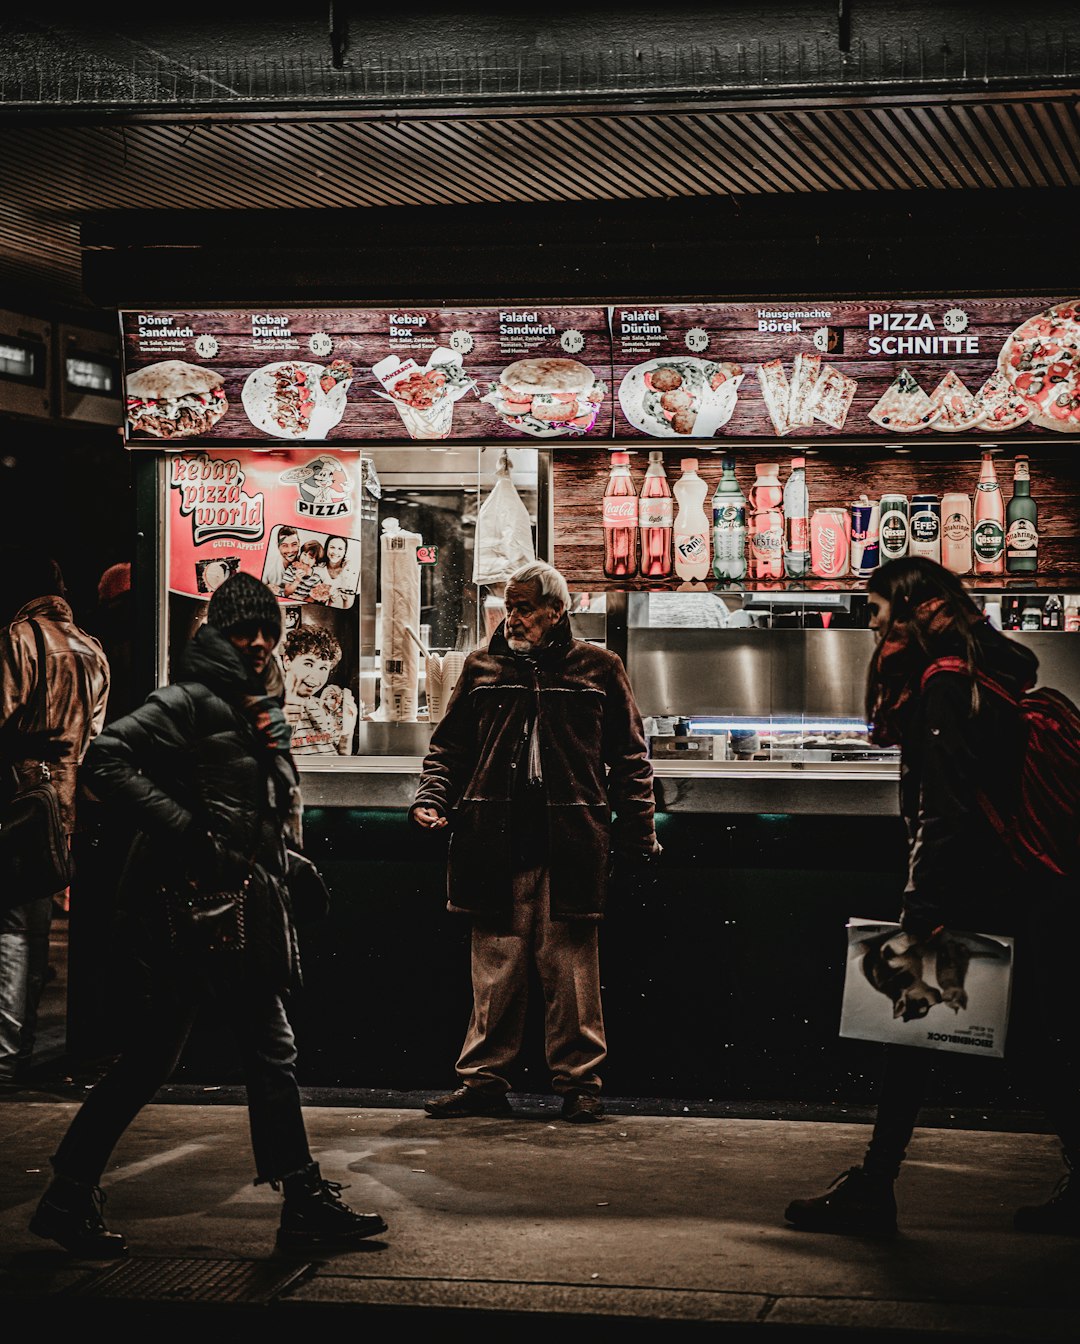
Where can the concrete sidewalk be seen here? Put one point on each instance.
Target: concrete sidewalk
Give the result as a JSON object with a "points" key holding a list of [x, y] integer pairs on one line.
{"points": [[642, 1223]]}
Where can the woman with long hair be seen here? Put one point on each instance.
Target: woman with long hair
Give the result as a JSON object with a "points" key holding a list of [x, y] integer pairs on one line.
{"points": [[958, 739]]}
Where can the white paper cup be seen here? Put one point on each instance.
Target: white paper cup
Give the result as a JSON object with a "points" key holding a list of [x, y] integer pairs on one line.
{"points": [[433, 683], [452, 664]]}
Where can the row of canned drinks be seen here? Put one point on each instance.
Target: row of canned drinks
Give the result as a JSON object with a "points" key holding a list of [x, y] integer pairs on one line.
{"points": [[856, 540]]}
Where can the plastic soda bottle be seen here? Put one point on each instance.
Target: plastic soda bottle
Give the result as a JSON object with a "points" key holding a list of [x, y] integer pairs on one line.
{"points": [[729, 525], [620, 520], [691, 531], [767, 523], [655, 516], [988, 524], [796, 521]]}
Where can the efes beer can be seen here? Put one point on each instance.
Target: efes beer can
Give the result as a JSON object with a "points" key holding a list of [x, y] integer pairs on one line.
{"points": [[925, 539], [894, 527], [865, 548]]}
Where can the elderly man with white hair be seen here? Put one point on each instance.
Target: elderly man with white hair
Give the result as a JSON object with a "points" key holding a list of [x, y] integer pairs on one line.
{"points": [[540, 768]]}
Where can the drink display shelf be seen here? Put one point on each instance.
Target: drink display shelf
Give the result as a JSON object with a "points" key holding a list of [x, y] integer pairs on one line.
{"points": [[1056, 582]]}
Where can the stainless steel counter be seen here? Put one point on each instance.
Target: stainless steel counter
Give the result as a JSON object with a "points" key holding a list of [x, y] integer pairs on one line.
{"points": [[390, 782]]}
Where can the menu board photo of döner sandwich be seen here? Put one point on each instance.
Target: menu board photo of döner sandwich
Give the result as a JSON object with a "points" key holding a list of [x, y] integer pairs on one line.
{"points": [[363, 375], [778, 369]]}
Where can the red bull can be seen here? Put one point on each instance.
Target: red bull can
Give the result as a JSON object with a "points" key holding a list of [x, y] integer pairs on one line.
{"points": [[865, 538]]}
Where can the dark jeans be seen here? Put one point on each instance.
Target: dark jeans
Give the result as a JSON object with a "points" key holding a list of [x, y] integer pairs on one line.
{"points": [[161, 1021], [1044, 976]]}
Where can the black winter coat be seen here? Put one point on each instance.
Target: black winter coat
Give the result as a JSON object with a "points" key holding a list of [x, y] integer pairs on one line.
{"points": [[593, 758], [187, 762], [958, 871]]}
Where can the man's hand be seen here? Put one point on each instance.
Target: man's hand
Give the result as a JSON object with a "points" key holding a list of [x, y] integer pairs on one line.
{"points": [[428, 818], [922, 923]]}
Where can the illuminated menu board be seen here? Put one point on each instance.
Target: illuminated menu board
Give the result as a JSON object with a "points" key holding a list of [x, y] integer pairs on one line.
{"points": [[799, 369]]}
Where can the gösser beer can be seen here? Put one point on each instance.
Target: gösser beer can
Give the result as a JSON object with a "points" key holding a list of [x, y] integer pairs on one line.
{"points": [[865, 550], [925, 527], [829, 542], [894, 527], [956, 533]]}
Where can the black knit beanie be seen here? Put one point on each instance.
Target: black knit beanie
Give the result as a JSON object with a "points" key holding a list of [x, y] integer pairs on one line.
{"points": [[243, 599]]}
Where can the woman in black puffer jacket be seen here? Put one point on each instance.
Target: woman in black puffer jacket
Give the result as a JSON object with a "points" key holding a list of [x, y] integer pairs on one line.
{"points": [[203, 770]]}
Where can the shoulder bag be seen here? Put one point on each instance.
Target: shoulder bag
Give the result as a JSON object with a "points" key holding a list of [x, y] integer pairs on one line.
{"points": [[35, 857]]}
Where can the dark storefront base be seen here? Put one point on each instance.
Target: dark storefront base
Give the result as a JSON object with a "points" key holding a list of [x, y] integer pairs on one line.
{"points": [[722, 974]]}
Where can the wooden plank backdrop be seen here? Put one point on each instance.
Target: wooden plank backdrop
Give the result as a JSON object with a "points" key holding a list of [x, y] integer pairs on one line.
{"points": [[611, 341], [835, 477], [730, 332], [364, 336]]}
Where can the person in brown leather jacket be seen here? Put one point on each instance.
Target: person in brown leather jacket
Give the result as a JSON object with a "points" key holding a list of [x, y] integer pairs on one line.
{"points": [[77, 688], [540, 743]]}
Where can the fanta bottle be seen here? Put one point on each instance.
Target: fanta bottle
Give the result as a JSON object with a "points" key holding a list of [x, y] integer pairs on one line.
{"points": [[691, 531]]}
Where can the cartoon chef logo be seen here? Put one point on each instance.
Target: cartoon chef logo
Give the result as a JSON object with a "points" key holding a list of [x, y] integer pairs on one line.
{"points": [[324, 487]]}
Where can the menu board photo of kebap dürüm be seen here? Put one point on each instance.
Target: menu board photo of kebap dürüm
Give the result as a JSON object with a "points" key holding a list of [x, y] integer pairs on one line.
{"points": [[367, 375]]}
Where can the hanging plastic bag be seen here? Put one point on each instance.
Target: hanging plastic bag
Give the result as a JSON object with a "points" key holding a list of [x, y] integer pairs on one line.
{"points": [[504, 539]]}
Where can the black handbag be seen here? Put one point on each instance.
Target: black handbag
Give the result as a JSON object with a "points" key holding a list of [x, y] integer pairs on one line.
{"points": [[309, 896], [35, 857]]}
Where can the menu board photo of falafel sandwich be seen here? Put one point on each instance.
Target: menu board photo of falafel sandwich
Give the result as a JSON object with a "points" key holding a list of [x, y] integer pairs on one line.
{"points": [[366, 375]]}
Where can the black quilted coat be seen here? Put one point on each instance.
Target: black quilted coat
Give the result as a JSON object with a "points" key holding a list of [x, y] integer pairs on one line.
{"points": [[593, 758], [190, 754]]}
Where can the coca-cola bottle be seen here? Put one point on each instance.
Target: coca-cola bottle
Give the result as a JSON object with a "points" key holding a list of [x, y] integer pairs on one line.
{"points": [[620, 520], [655, 516]]}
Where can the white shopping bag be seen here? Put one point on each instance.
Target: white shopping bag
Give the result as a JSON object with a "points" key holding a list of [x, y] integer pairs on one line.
{"points": [[949, 994]]}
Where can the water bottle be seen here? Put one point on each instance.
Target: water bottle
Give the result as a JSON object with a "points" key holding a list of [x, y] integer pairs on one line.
{"points": [[729, 525]]}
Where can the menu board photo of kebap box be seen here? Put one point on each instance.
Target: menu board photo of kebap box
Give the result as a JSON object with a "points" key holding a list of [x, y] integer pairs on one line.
{"points": [[817, 369], [367, 375]]}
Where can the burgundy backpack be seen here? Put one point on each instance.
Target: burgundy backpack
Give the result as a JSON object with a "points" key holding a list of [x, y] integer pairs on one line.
{"points": [[1044, 835]]}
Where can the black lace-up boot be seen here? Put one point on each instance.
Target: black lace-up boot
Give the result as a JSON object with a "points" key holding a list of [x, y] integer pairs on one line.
{"points": [[314, 1216], [856, 1203], [1060, 1213], [70, 1213]]}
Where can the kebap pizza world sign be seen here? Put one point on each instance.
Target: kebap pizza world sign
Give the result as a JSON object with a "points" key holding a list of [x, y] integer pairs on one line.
{"points": [[776, 369]]}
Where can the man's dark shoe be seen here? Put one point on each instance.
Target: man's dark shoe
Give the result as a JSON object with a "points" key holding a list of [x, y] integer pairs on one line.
{"points": [[855, 1203], [582, 1108], [314, 1217], [70, 1213], [469, 1101], [1060, 1213]]}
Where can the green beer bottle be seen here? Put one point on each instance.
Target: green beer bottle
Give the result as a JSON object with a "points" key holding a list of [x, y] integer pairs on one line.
{"points": [[1022, 523]]}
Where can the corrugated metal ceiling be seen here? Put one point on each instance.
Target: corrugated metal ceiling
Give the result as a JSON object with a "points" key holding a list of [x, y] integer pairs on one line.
{"points": [[55, 174]]}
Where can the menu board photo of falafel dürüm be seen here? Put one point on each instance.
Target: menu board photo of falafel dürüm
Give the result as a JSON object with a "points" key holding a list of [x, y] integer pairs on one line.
{"points": [[304, 376], [817, 369]]}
